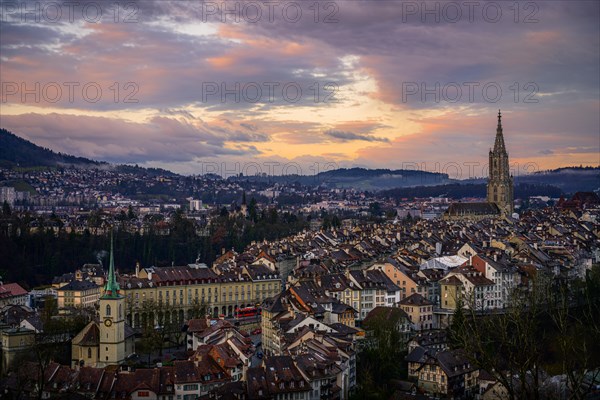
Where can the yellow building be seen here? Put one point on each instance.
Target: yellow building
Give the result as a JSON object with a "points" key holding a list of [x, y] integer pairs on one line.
{"points": [[175, 294], [14, 343], [78, 293], [419, 310], [85, 346], [450, 288], [408, 284]]}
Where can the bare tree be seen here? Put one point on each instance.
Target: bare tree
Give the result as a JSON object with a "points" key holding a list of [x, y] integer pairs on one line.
{"points": [[552, 323]]}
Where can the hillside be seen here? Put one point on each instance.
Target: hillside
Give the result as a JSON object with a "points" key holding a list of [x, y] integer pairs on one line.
{"points": [[568, 179], [18, 152], [359, 178]]}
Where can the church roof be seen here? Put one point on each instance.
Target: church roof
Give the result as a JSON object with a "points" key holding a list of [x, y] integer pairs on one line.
{"points": [[481, 208], [89, 336]]}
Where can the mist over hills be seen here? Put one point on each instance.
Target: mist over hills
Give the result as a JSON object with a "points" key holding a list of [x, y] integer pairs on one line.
{"points": [[16, 152]]}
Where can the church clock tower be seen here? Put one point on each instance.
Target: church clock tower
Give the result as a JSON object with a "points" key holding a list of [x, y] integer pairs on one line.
{"points": [[112, 319], [500, 181]]}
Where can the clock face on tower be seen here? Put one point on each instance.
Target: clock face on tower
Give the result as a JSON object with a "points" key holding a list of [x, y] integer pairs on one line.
{"points": [[107, 322]]}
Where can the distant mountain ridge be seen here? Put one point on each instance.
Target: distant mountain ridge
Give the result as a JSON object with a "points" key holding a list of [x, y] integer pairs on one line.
{"points": [[358, 178], [18, 152]]}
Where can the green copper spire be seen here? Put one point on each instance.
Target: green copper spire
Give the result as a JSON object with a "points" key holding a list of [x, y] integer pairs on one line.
{"points": [[111, 289]]}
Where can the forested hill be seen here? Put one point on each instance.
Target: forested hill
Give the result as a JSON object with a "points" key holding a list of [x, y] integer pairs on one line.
{"points": [[359, 178], [18, 152]]}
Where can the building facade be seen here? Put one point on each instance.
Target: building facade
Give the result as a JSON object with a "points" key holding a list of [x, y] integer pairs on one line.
{"points": [[175, 294]]}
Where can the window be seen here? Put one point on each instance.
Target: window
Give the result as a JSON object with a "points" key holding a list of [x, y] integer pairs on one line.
{"points": [[143, 393], [89, 352], [108, 310]]}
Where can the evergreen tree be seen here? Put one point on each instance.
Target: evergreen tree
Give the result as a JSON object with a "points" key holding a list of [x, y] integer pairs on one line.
{"points": [[6, 211]]}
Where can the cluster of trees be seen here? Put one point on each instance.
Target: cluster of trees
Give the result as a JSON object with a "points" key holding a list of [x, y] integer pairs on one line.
{"points": [[380, 360], [161, 326], [551, 329], [34, 258]]}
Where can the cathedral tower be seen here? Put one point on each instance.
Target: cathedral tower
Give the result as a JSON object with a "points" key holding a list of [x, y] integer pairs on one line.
{"points": [[112, 319], [500, 181]]}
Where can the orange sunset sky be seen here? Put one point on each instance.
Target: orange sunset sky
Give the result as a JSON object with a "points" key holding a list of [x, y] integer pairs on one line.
{"points": [[378, 84]]}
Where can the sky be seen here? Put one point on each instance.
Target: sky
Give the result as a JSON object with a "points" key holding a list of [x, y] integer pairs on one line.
{"points": [[284, 87]]}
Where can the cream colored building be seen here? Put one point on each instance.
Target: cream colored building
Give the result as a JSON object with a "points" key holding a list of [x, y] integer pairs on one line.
{"points": [[78, 293], [419, 310], [175, 294], [14, 343], [12, 293]]}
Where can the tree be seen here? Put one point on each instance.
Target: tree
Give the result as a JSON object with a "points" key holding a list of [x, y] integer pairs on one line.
{"points": [[458, 321], [375, 209], [252, 211], [550, 327], [130, 213], [335, 221], [378, 362], [6, 211]]}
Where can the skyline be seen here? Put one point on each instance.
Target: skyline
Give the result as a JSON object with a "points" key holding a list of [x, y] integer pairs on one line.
{"points": [[209, 91]]}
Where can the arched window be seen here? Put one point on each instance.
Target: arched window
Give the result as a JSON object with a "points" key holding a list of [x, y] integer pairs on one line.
{"points": [[108, 310], [120, 311], [89, 352]]}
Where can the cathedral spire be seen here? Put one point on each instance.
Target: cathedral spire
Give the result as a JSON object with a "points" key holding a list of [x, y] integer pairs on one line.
{"points": [[111, 289], [499, 147]]}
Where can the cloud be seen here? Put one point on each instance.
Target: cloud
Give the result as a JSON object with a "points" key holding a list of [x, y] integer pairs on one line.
{"points": [[160, 139], [168, 59], [344, 136]]}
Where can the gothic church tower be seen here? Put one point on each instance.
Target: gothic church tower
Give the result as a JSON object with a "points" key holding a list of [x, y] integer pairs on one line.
{"points": [[500, 182], [112, 319]]}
